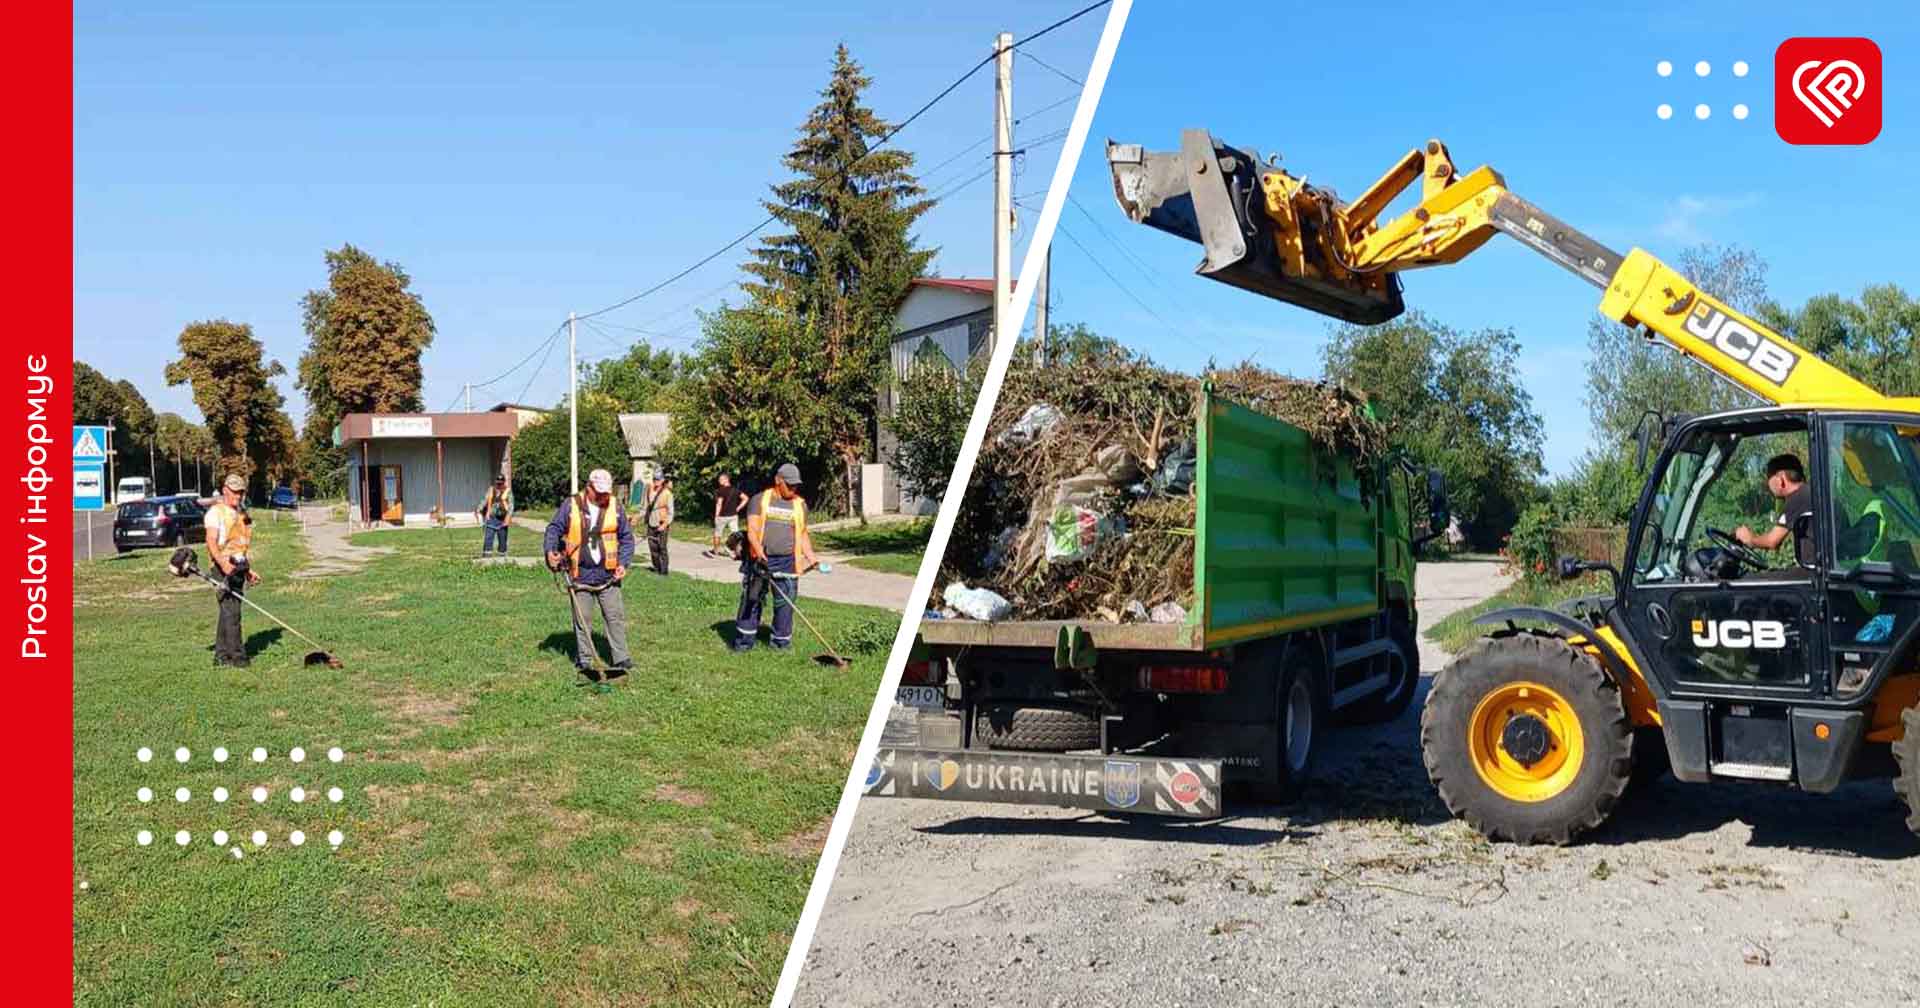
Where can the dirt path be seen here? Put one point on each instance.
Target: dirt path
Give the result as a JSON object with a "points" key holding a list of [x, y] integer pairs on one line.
{"points": [[328, 551], [1368, 893]]}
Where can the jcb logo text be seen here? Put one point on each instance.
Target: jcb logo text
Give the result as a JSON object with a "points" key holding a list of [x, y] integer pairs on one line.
{"points": [[1766, 635]]}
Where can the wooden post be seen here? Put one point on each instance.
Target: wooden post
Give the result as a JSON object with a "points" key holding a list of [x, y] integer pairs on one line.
{"points": [[440, 478]]}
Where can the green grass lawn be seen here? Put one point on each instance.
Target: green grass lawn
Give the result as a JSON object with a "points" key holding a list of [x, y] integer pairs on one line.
{"points": [[893, 547], [1455, 631], [510, 838]]}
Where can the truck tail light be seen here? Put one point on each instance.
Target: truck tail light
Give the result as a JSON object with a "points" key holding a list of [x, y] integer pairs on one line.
{"points": [[921, 673], [1184, 678]]}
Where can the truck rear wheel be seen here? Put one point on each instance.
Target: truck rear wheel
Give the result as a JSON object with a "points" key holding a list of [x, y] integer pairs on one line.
{"points": [[1906, 753], [1526, 739], [1036, 729]]}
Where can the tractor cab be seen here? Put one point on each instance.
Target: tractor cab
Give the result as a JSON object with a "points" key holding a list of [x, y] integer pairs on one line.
{"points": [[1816, 620]]}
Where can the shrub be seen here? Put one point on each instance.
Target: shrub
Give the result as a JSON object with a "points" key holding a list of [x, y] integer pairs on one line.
{"points": [[1530, 551]]}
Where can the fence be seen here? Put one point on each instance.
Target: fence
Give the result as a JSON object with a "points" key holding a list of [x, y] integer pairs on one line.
{"points": [[1599, 544]]}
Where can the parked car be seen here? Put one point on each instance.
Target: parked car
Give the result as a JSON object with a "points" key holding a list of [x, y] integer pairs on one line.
{"points": [[283, 499], [159, 522], [132, 488]]}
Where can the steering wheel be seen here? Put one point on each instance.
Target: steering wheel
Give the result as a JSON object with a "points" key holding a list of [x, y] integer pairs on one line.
{"points": [[1745, 555]]}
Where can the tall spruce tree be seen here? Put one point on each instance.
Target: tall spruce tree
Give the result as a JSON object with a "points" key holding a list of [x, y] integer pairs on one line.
{"points": [[847, 258]]}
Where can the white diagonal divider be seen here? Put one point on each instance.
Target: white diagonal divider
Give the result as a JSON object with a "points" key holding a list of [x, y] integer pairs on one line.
{"points": [[1004, 345]]}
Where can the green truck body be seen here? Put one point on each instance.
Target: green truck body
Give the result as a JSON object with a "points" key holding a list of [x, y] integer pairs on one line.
{"points": [[1284, 540]]}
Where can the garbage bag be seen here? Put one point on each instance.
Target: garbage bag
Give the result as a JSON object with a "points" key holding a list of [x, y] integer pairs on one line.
{"points": [[1175, 475], [1168, 612], [1037, 420], [1074, 532], [977, 603], [1118, 465]]}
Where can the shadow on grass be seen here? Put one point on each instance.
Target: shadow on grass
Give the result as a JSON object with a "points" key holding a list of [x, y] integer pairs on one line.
{"points": [[260, 640]]}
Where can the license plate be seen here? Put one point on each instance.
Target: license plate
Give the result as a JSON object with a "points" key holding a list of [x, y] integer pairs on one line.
{"points": [[923, 697]]}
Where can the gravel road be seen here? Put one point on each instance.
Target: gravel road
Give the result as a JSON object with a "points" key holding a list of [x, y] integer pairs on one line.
{"points": [[1366, 893]]}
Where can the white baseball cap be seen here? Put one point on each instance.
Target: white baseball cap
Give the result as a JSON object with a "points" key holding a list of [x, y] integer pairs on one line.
{"points": [[600, 480]]}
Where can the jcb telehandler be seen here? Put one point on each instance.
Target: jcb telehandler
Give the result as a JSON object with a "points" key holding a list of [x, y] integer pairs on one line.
{"points": [[1709, 656]]}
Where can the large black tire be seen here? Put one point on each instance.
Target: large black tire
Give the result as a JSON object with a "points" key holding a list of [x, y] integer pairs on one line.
{"points": [[1035, 729], [1906, 754], [1575, 801], [1388, 706], [1301, 721]]}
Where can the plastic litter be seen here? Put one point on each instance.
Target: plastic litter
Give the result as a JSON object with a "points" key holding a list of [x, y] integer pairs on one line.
{"points": [[1037, 420], [977, 603], [1876, 630], [1074, 532], [1136, 612], [1167, 612]]}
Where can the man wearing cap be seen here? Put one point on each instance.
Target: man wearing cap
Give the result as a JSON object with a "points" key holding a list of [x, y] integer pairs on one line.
{"points": [[659, 519], [496, 516], [229, 540], [779, 550], [591, 540]]}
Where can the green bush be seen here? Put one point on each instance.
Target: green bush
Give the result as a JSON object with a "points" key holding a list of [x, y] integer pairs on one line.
{"points": [[1530, 551]]}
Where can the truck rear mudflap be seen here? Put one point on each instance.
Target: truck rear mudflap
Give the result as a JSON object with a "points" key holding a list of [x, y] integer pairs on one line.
{"points": [[1188, 788]]}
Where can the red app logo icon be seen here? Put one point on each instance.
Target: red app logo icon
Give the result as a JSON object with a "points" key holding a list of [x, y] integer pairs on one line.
{"points": [[1826, 91]]}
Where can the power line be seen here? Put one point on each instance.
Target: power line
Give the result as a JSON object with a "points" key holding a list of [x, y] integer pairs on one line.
{"points": [[1124, 289], [1069, 78], [1126, 253], [884, 140], [523, 363], [522, 397]]}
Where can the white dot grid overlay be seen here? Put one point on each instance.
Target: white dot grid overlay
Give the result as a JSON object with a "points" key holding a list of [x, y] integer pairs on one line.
{"points": [[260, 839], [1701, 111]]}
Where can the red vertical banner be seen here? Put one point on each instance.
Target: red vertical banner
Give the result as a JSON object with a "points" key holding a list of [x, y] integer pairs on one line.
{"points": [[36, 372]]}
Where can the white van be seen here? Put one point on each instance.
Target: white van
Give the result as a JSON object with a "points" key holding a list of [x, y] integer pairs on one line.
{"points": [[133, 488]]}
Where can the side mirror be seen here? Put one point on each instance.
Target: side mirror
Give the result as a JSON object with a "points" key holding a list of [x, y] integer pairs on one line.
{"points": [[1437, 514], [1641, 437], [1572, 567]]}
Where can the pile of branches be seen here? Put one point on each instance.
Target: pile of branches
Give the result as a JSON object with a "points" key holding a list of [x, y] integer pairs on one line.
{"points": [[1115, 437]]}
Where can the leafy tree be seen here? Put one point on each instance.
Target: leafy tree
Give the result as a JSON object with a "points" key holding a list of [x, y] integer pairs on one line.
{"points": [[935, 404], [845, 261], [1627, 376], [365, 333], [638, 380], [98, 399], [735, 414], [1074, 343], [1876, 338], [232, 386], [1453, 401], [540, 460]]}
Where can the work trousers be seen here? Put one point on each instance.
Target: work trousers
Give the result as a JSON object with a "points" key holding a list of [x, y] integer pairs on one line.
{"points": [[657, 549], [493, 530], [613, 615], [228, 644], [756, 585]]}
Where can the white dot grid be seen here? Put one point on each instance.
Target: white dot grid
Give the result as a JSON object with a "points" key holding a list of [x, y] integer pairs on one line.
{"points": [[220, 838], [1702, 111]]}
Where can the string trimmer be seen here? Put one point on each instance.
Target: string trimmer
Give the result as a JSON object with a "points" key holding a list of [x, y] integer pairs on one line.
{"points": [[566, 584], [832, 657], [186, 563]]}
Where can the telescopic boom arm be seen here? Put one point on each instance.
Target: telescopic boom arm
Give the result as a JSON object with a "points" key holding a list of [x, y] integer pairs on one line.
{"points": [[1270, 232]]}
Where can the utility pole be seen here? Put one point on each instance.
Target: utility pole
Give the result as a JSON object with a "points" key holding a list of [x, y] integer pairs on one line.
{"points": [[113, 489], [469, 397], [573, 410], [1040, 307], [1002, 191], [152, 472]]}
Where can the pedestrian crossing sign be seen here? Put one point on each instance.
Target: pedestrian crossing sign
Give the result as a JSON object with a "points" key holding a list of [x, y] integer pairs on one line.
{"points": [[89, 444]]}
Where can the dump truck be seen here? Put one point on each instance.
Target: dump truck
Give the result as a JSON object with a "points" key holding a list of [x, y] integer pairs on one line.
{"points": [[1302, 615], [1712, 656]]}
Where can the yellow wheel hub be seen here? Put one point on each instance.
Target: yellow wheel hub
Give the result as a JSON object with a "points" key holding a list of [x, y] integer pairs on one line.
{"points": [[1525, 741]]}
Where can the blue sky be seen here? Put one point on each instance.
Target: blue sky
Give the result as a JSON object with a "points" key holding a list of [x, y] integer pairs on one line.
{"points": [[519, 160], [1560, 101]]}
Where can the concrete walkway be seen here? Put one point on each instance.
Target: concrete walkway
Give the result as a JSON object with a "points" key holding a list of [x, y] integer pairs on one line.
{"points": [[846, 583], [328, 551]]}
